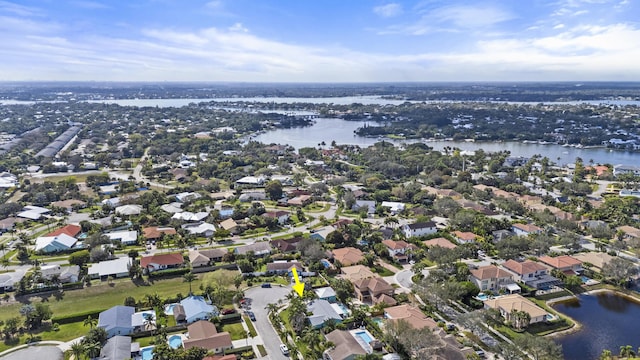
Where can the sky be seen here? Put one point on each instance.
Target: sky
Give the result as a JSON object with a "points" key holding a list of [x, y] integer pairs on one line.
{"points": [[319, 40]]}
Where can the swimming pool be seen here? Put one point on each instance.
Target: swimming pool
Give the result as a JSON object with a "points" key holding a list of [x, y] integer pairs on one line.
{"points": [[168, 309], [175, 341], [325, 263], [147, 353], [364, 335], [584, 279], [482, 297]]}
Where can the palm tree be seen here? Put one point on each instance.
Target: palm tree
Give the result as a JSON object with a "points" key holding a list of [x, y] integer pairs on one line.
{"points": [[92, 349], [626, 351], [90, 321], [606, 355], [189, 277], [149, 322], [77, 349]]}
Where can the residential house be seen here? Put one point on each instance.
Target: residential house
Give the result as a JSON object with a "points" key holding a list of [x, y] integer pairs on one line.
{"points": [[286, 245], [322, 312], [419, 229], [257, 181], [465, 237], [70, 229], [33, 212], [260, 248], [187, 196], [302, 200], [532, 274], [119, 347], [280, 215], [596, 259], [399, 250], [154, 233], [411, 314], [200, 229], [252, 195], [629, 232], [65, 274], [371, 289], [117, 320], [525, 229], [506, 304], [126, 237], [161, 261], [116, 268], [283, 267], [493, 278], [190, 216], [348, 256], [326, 293], [564, 263], [370, 205], [206, 257], [196, 308], [203, 334], [9, 279], [129, 210], [345, 346], [356, 272], [9, 223], [229, 225], [393, 206], [500, 235], [49, 244], [70, 204], [440, 241]]}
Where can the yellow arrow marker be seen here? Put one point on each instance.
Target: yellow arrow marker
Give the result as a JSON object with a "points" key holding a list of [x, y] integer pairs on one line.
{"points": [[298, 286]]}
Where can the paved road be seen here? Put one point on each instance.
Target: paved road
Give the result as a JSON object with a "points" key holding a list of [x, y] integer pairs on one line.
{"points": [[35, 352], [260, 297]]}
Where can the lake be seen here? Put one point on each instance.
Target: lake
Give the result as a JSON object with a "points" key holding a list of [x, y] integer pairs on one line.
{"points": [[608, 322], [342, 132]]}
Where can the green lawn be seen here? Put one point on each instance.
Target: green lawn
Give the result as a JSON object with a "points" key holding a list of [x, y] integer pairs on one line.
{"points": [[252, 329], [100, 295], [236, 331], [65, 332]]}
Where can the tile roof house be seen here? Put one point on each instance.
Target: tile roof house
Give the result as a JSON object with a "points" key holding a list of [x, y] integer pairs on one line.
{"points": [[400, 250], [564, 263], [345, 346], [348, 256], [440, 241], [505, 304], [301, 200], [129, 210], [465, 237], [370, 289], [68, 205], [492, 278], [71, 230], [419, 229], [155, 232], [161, 261], [49, 244], [283, 267], [525, 229], [531, 273], [203, 334], [597, 259], [286, 245], [356, 272], [629, 232], [196, 308], [280, 215], [229, 224], [205, 257], [411, 314], [117, 320], [260, 248]]}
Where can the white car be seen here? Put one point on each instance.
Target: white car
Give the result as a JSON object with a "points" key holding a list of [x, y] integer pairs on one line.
{"points": [[284, 349]]}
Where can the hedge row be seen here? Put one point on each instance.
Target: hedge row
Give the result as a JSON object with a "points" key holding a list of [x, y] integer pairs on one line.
{"points": [[231, 318], [72, 318], [69, 286], [238, 350], [168, 273]]}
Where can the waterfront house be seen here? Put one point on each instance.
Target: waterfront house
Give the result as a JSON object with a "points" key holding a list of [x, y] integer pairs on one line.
{"points": [[532, 274], [564, 263], [506, 304], [493, 278]]}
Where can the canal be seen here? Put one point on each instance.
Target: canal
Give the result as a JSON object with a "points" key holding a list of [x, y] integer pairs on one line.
{"points": [[608, 322]]}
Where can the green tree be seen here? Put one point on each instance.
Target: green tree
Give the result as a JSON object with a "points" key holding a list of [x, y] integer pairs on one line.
{"points": [[90, 321], [274, 190], [189, 278]]}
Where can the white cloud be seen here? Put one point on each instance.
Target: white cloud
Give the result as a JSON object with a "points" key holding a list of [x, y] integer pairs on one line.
{"points": [[559, 26], [388, 10]]}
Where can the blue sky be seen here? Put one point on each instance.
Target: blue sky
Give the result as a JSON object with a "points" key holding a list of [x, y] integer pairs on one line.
{"points": [[320, 41]]}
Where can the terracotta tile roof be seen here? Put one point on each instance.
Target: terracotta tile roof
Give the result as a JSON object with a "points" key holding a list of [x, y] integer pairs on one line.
{"points": [[465, 236], [560, 262], [357, 272], [530, 228], [228, 224], [71, 230], [490, 272], [515, 302], [384, 298], [412, 315], [375, 285], [155, 232], [162, 259], [526, 267], [442, 242], [395, 245], [348, 256]]}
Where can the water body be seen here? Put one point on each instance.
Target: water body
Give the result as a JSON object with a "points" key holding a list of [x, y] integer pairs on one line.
{"points": [[342, 131], [608, 322]]}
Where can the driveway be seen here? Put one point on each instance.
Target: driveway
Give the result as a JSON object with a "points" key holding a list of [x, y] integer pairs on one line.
{"points": [[49, 352], [260, 298]]}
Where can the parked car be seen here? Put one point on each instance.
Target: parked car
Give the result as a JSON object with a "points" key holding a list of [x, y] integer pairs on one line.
{"points": [[266, 285], [284, 349], [228, 311], [251, 315]]}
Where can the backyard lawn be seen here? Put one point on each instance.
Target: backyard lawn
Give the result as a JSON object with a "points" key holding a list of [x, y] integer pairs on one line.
{"points": [[236, 331]]}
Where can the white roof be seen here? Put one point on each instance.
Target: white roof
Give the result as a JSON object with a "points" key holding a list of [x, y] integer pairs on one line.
{"points": [[199, 228], [182, 197], [112, 201], [129, 210], [172, 208], [251, 180], [37, 209], [62, 239], [110, 267], [123, 236], [395, 206], [189, 216], [31, 215]]}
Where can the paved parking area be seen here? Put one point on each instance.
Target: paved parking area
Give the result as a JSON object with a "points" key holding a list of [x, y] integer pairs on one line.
{"points": [[35, 352], [260, 297]]}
